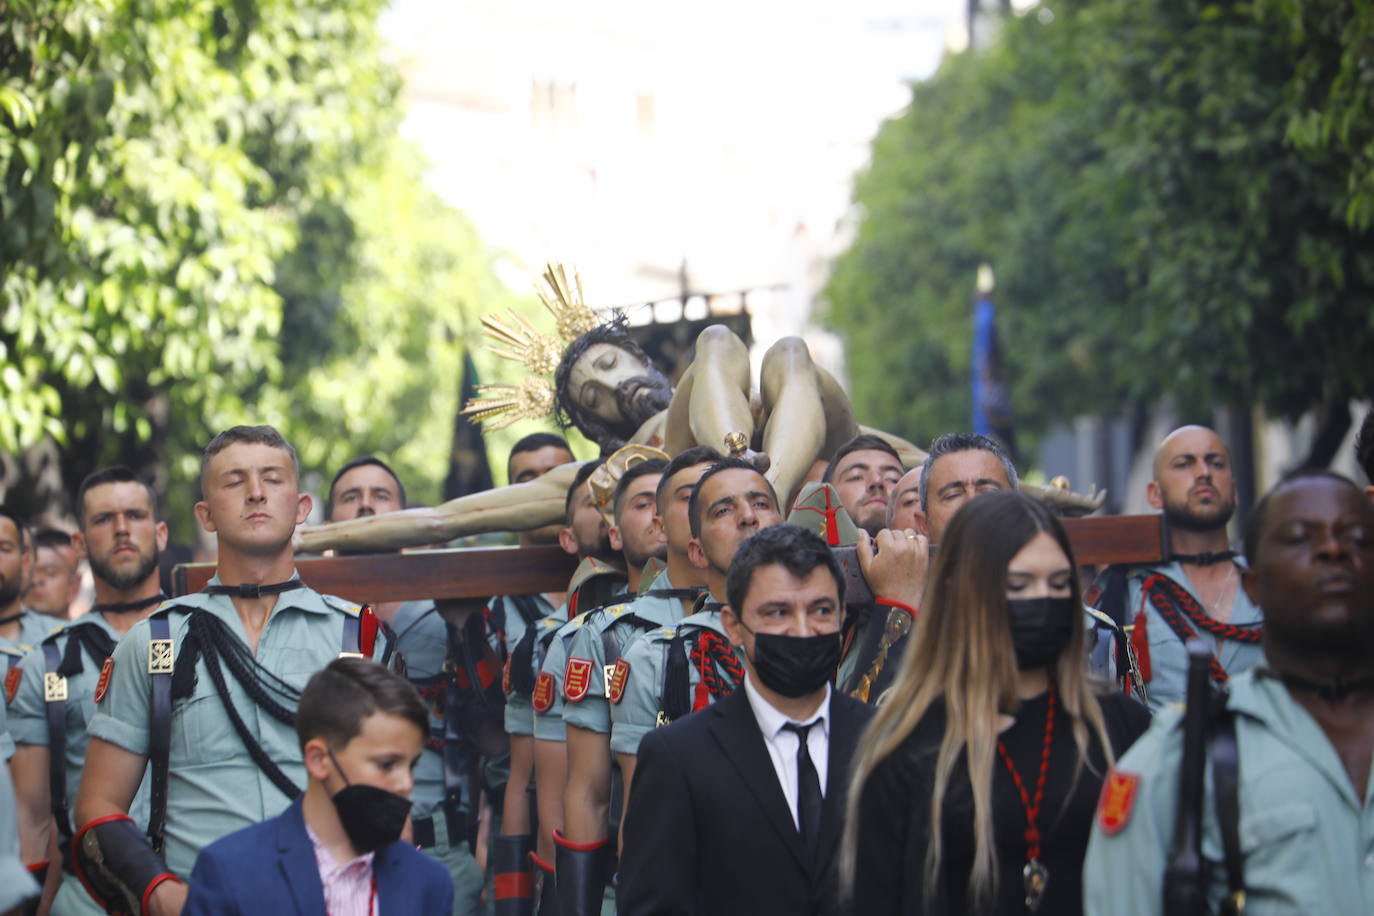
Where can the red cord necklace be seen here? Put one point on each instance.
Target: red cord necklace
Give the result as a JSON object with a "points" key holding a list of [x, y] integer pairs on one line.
{"points": [[1035, 874]]}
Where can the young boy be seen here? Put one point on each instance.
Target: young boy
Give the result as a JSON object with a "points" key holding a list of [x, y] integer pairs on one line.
{"points": [[338, 848]]}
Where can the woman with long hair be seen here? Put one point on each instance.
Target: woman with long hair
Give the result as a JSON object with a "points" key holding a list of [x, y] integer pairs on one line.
{"points": [[976, 782]]}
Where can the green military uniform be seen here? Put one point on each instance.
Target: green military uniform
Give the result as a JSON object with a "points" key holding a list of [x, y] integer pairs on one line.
{"points": [[593, 584], [1161, 650], [641, 706], [421, 638], [1307, 838], [33, 627], [612, 627], [214, 786], [29, 725], [16, 884], [512, 629]]}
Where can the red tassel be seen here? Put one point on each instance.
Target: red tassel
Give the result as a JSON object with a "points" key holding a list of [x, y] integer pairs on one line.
{"points": [[832, 528], [1140, 642]]}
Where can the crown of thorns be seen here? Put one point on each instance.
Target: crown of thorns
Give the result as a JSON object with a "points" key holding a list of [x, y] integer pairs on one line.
{"points": [[517, 340]]}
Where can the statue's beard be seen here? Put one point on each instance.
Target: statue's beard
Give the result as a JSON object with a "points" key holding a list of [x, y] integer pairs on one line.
{"points": [[641, 398]]}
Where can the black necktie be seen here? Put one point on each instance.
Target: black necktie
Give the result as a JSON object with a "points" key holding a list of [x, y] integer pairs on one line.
{"points": [[808, 790]]}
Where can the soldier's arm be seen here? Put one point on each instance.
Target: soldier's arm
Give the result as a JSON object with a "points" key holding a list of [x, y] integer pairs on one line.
{"points": [[550, 778], [588, 794], [1128, 848], [109, 781], [627, 775], [29, 769], [515, 811]]}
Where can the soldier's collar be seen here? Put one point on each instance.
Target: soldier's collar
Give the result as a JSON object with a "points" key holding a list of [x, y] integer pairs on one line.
{"points": [[13, 617], [254, 589]]}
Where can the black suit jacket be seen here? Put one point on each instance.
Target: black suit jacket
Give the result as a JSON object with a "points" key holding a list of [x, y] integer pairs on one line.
{"points": [[708, 831]]}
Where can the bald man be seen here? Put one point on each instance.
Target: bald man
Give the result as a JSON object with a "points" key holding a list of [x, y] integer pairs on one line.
{"points": [[1196, 592]]}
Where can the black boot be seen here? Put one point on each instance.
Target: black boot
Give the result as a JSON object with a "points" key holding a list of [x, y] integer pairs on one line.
{"points": [[548, 891], [583, 870], [512, 875]]}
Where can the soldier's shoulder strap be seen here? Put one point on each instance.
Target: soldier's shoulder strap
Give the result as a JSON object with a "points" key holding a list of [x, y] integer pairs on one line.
{"points": [[160, 668], [55, 701]]}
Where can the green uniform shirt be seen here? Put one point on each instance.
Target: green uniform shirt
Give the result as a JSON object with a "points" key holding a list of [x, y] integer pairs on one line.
{"points": [[1168, 658], [586, 704], [519, 713], [214, 787], [637, 713], [548, 686], [33, 627], [16, 884], [1308, 840]]}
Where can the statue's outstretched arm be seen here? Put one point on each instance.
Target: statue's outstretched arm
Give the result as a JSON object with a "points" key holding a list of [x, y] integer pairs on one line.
{"points": [[518, 507]]}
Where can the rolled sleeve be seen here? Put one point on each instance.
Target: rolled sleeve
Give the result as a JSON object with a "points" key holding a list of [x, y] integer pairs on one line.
{"points": [[637, 712], [121, 717], [28, 715]]}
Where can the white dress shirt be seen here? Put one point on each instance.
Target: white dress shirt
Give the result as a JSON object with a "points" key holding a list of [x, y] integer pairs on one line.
{"points": [[782, 744]]}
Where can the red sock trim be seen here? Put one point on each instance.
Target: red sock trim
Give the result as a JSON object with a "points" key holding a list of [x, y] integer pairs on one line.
{"points": [[566, 843], [534, 857], [35, 867], [516, 885]]}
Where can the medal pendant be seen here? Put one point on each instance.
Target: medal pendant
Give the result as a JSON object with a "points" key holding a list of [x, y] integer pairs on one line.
{"points": [[1037, 877]]}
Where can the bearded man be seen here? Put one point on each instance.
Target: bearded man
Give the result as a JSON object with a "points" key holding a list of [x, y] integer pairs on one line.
{"points": [[1197, 591]]}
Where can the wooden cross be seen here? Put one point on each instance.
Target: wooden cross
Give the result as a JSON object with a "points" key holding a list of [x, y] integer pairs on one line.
{"points": [[485, 571]]}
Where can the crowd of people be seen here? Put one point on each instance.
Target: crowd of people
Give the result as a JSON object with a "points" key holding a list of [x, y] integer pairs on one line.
{"points": [[709, 719]]}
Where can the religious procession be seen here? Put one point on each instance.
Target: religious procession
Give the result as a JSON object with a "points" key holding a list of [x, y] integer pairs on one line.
{"points": [[349, 565]]}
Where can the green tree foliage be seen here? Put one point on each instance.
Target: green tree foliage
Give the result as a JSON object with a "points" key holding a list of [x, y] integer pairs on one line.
{"points": [[206, 217], [1176, 196]]}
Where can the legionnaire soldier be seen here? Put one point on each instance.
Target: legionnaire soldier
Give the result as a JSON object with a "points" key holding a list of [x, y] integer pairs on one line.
{"points": [[444, 796], [594, 583], [121, 536], [16, 884], [1196, 593], [596, 672], [512, 620], [1293, 778], [20, 628], [56, 576], [676, 670], [205, 690]]}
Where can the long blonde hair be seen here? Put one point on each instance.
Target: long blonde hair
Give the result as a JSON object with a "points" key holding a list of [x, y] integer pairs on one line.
{"points": [[961, 652]]}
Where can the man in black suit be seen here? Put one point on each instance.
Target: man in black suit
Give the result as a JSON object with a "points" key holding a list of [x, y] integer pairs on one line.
{"points": [[738, 808]]}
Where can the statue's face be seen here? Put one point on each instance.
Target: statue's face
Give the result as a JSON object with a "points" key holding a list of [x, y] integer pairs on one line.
{"points": [[617, 386]]}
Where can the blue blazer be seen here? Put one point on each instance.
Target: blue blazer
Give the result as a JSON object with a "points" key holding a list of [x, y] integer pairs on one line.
{"points": [[270, 868]]}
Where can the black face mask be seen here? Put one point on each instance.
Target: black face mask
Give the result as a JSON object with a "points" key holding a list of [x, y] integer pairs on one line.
{"points": [[795, 666], [372, 817], [1040, 629]]}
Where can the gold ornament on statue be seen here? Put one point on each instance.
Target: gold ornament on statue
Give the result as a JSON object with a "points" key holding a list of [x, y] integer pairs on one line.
{"points": [[531, 399], [736, 444], [517, 340]]}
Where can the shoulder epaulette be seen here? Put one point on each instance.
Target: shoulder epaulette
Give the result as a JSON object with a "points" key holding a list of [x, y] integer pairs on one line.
{"points": [[342, 604]]}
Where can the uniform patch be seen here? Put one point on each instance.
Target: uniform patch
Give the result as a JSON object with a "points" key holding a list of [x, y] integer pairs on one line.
{"points": [[577, 678], [12, 684], [1118, 798], [543, 692], [103, 684], [615, 687]]}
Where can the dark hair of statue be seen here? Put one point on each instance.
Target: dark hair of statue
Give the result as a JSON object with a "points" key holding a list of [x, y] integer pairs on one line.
{"points": [[569, 413]]}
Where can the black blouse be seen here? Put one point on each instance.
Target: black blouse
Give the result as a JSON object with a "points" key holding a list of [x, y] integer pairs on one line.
{"points": [[894, 815]]}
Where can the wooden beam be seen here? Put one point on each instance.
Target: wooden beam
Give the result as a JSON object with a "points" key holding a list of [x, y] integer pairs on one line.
{"points": [[478, 572], [486, 571]]}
